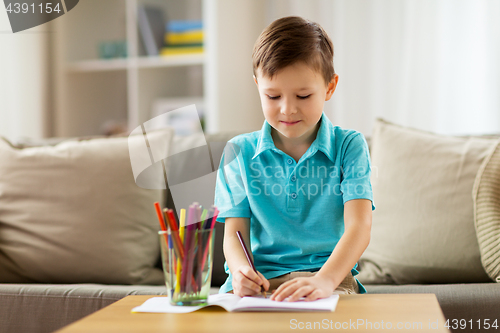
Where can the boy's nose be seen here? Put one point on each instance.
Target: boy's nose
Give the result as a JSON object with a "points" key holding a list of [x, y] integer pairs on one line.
{"points": [[288, 109]]}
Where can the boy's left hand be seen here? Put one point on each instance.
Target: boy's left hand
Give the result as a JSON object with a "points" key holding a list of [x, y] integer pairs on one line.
{"points": [[312, 288]]}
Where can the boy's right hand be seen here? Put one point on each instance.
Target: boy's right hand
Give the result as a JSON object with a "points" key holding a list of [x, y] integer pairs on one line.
{"points": [[248, 283]]}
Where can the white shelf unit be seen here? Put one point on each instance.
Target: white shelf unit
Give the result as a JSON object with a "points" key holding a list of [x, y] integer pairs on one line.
{"points": [[89, 92], [142, 62]]}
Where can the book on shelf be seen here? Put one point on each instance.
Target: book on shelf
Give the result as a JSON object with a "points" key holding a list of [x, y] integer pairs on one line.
{"points": [[234, 303], [183, 37], [184, 25], [152, 28], [188, 37], [168, 51]]}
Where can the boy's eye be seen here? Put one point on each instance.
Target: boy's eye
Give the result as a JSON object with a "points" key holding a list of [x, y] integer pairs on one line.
{"points": [[273, 97], [303, 97]]}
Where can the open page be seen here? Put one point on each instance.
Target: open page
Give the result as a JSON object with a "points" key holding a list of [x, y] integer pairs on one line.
{"points": [[265, 304], [231, 303], [162, 304]]}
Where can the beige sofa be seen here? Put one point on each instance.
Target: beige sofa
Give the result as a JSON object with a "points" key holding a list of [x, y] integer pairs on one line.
{"points": [[55, 298]]}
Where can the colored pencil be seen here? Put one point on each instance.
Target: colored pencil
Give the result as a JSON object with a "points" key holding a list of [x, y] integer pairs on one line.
{"points": [[209, 225], [162, 222], [182, 226], [168, 240], [187, 247], [247, 254], [198, 269], [160, 216], [176, 239], [216, 213], [171, 263], [208, 221]]}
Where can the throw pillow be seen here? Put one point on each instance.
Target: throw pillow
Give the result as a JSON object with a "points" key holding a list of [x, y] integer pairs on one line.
{"points": [[423, 227], [487, 214], [72, 213]]}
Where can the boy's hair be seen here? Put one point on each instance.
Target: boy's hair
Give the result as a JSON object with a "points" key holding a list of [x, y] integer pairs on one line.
{"points": [[293, 39]]}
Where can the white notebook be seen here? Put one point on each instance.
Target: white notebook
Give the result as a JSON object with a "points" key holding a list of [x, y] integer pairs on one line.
{"points": [[233, 303]]}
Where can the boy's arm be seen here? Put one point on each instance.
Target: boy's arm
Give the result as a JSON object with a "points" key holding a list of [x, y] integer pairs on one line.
{"points": [[245, 281], [352, 244]]}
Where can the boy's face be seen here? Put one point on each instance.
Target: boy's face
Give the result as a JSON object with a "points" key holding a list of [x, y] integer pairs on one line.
{"points": [[293, 101]]}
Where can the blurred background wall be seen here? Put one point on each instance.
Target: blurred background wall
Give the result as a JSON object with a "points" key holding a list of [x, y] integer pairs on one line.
{"points": [[25, 85], [429, 64]]}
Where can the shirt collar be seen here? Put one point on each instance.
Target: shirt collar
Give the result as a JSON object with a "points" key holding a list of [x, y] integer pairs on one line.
{"points": [[325, 138], [265, 140], [323, 142]]}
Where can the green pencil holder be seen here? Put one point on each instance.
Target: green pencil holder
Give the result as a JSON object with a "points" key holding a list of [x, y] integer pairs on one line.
{"points": [[187, 258]]}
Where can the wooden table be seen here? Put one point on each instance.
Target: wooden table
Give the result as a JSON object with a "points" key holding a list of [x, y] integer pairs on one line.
{"points": [[362, 313]]}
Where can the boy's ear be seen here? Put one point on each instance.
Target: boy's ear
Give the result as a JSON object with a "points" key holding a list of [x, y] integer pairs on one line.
{"points": [[255, 80], [331, 87]]}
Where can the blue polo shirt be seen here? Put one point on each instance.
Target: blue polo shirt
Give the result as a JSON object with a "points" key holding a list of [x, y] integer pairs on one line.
{"points": [[296, 209]]}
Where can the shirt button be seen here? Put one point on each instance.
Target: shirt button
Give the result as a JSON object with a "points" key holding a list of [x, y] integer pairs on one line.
{"points": [[293, 178], [294, 195], [289, 161]]}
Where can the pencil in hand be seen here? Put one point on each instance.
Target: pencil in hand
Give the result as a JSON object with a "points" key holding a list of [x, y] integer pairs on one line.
{"points": [[250, 262]]}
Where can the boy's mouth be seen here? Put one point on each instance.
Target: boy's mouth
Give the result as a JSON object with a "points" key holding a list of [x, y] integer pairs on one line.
{"points": [[289, 123]]}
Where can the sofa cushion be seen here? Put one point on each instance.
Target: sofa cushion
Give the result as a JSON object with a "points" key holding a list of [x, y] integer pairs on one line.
{"points": [[72, 213], [423, 227], [487, 214]]}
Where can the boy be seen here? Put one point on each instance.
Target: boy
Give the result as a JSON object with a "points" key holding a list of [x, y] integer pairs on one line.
{"points": [[299, 189]]}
